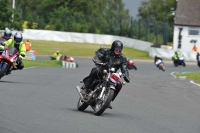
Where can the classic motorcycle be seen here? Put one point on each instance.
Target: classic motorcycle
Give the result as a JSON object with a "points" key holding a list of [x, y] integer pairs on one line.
{"points": [[159, 63], [103, 92], [180, 61], [8, 58]]}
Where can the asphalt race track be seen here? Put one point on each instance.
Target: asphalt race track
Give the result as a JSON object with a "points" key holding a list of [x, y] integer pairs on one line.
{"points": [[44, 100]]}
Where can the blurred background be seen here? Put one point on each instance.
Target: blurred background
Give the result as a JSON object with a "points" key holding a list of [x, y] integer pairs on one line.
{"points": [[150, 20]]}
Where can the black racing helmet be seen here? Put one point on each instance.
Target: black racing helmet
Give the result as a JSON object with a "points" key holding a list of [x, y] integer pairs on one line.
{"points": [[117, 44], [18, 38]]}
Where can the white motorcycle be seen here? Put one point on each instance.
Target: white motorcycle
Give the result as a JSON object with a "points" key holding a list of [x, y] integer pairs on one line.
{"points": [[159, 63]]}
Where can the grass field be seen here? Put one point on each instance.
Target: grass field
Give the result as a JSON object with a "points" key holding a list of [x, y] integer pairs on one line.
{"points": [[80, 49], [31, 63], [74, 49]]}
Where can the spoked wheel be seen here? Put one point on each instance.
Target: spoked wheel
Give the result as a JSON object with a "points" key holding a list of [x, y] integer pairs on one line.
{"points": [[101, 104], [81, 106]]}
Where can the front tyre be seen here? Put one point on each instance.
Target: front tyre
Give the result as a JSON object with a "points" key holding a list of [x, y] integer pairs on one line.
{"points": [[184, 64], [102, 104], [81, 106], [175, 63], [3, 70]]}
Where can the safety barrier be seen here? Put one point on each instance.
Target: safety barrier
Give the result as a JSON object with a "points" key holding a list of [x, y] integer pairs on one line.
{"points": [[69, 64], [30, 55]]}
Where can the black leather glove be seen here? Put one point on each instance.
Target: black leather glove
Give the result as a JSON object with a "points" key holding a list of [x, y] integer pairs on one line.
{"points": [[127, 79], [2, 43], [23, 55]]}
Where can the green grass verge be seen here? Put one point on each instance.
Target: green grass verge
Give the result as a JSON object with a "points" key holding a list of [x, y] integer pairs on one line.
{"points": [[190, 75], [81, 49], [74, 49], [31, 63]]}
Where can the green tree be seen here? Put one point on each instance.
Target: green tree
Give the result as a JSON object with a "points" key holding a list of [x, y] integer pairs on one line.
{"points": [[6, 19], [158, 11]]}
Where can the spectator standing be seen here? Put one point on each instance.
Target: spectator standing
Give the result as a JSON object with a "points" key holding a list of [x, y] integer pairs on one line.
{"points": [[195, 48], [28, 45]]}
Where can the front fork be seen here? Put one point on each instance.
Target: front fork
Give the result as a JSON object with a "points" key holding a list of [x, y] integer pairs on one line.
{"points": [[103, 90]]}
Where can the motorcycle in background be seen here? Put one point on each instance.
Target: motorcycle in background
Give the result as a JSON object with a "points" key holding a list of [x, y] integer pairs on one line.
{"points": [[103, 92], [160, 64], [179, 61], [69, 60], [198, 63], [198, 59], [8, 58], [131, 64]]}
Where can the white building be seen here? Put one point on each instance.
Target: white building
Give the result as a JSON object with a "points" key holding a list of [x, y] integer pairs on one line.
{"points": [[187, 25]]}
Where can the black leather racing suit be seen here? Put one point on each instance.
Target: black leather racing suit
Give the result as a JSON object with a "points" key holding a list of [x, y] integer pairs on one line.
{"points": [[108, 57]]}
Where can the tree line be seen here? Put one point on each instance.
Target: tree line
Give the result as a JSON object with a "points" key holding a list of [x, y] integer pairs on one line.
{"points": [[86, 16]]}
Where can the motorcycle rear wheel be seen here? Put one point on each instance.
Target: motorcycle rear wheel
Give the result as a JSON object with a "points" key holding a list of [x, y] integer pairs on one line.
{"points": [[102, 104], [81, 106]]}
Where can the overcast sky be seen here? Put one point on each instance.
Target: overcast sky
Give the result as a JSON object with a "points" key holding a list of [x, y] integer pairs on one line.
{"points": [[132, 5]]}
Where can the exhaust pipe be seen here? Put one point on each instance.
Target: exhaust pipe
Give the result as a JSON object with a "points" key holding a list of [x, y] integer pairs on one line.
{"points": [[79, 91]]}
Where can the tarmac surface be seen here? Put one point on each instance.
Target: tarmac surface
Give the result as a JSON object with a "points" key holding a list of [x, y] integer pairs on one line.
{"points": [[44, 100]]}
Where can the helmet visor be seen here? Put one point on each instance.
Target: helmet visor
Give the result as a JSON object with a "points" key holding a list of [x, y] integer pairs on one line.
{"points": [[18, 40], [118, 50]]}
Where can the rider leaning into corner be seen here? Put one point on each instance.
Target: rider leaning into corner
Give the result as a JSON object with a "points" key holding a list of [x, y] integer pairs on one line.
{"points": [[19, 45], [7, 34], [157, 58], [112, 57]]}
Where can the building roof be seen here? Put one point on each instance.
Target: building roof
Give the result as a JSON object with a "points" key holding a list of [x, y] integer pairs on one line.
{"points": [[188, 13]]}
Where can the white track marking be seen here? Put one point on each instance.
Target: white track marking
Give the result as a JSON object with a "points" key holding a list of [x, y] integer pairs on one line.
{"points": [[191, 81], [172, 73]]}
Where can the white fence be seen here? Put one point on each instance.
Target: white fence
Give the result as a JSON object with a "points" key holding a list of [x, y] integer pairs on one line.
{"points": [[168, 53], [103, 39], [84, 38]]}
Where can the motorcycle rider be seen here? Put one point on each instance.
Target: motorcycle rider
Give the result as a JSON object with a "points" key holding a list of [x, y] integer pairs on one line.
{"points": [[19, 45], [7, 34], [176, 55], [157, 58], [111, 57], [198, 56]]}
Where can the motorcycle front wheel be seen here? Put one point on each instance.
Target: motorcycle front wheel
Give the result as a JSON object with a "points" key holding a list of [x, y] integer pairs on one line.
{"points": [[81, 106], [102, 104], [3, 70], [184, 64]]}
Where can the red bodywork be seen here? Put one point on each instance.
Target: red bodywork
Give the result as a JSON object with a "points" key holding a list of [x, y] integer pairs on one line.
{"points": [[9, 55]]}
